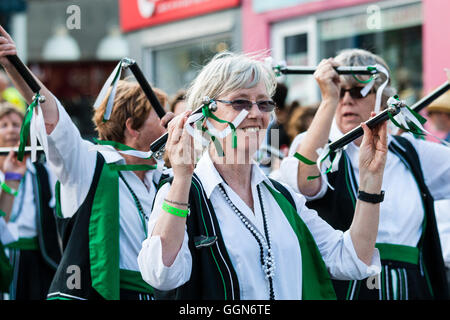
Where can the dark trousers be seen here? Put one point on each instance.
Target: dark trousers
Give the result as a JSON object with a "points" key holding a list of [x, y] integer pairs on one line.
{"points": [[397, 281], [33, 276]]}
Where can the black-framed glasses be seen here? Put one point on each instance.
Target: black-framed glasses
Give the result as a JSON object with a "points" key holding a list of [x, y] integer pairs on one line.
{"points": [[241, 104], [354, 92]]}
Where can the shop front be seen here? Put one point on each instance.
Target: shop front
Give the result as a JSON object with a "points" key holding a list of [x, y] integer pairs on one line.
{"points": [[302, 32], [172, 39]]}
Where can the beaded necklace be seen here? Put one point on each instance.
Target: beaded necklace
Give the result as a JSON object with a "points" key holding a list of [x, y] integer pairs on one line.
{"points": [[138, 204], [267, 261]]}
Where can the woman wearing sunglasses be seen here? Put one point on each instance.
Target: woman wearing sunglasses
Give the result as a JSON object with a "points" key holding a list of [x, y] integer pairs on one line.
{"points": [[416, 172], [224, 230]]}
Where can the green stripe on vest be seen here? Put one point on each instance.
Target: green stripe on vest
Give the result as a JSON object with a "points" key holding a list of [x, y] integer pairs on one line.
{"points": [[6, 270], [132, 280], [24, 244], [104, 236], [397, 252], [316, 282]]}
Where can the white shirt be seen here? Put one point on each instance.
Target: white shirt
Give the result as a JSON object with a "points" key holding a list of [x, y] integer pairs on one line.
{"points": [[22, 223], [72, 161], [401, 212], [442, 209], [336, 247]]}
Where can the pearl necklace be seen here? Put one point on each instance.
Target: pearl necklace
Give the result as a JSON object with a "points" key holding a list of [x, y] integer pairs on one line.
{"points": [[267, 261]]}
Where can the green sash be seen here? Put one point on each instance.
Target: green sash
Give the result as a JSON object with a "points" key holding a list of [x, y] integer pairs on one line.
{"points": [[107, 278], [316, 282], [104, 236]]}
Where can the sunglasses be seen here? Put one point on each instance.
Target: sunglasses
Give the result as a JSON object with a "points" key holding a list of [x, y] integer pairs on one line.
{"points": [[241, 104], [354, 92]]}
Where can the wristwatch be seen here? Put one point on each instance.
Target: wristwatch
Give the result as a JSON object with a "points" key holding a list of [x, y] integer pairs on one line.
{"points": [[370, 197]]}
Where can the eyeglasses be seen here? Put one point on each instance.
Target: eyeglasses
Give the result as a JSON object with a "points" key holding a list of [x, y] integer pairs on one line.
{"points": [[354, 92], [241, 104]]}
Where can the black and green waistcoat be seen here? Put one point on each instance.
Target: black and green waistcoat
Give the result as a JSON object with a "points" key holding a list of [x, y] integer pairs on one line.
{"points": [[337, 208], [47, 241], [89, 267], [213, 276]]}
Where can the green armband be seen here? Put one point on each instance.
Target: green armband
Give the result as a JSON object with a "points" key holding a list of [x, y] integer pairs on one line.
{"points": [[8, 189], [175, 211]]}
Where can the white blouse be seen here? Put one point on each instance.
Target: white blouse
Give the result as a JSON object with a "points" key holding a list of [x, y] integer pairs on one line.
{"points": [[335, 246], [401, 212]]}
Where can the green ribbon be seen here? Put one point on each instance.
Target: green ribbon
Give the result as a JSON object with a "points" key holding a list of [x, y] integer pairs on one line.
{"points": [[131, 167], [413, 128], [208, 114], [8, 189], [25, 128], [310, 163], [216, 142]]}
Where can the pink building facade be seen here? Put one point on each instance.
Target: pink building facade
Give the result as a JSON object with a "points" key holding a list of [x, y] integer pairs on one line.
{"points": [[410, 34]]}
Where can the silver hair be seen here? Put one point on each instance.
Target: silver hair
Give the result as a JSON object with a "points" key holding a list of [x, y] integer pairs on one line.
{"points": [[361, 57], [227, 72]]}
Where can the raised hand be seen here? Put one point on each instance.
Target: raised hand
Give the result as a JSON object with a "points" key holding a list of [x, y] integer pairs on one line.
{"points": [[372, 157], [11, 164], [180, 147], [7, 47], [328, 79]]}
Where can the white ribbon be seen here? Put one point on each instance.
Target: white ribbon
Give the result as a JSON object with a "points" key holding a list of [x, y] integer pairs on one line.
{"points": [[211, 129], [380, 90], [37, 131], [406, 115], [134, 153], [324, 162], [112, 80], [222, 134]]}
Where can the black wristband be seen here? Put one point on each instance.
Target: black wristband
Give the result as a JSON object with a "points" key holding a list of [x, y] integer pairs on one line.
{"points": [[370, 197]]}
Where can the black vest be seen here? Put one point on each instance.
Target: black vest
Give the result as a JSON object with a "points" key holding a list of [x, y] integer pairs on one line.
{"points": [[49, 239], [337, 208], [76, 256]]}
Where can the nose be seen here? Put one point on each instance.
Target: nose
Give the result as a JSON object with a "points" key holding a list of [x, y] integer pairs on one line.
{"points": [[347, 98], [254, 110]]}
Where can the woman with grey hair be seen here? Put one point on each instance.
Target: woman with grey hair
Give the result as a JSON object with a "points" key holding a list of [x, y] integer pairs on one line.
{"points": [[412, 266], [224, 230]]}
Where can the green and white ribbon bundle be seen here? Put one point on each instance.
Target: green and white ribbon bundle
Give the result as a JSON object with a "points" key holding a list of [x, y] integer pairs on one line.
{"points": [[32, 124], [324, 162], [197, 119], [370, 83], [410, 121], [111, 82]]}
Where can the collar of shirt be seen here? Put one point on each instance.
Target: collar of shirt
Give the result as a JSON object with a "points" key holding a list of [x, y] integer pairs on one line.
{"points": [[210, 177]]}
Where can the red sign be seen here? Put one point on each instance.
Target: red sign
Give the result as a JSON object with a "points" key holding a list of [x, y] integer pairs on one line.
{"points": [[136, 14]]}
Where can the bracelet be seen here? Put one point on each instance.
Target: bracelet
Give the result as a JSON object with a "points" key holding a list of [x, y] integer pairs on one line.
{"points": [[177, 203], [8, 189], [13, 176], [175, 211], [370, 197]]}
